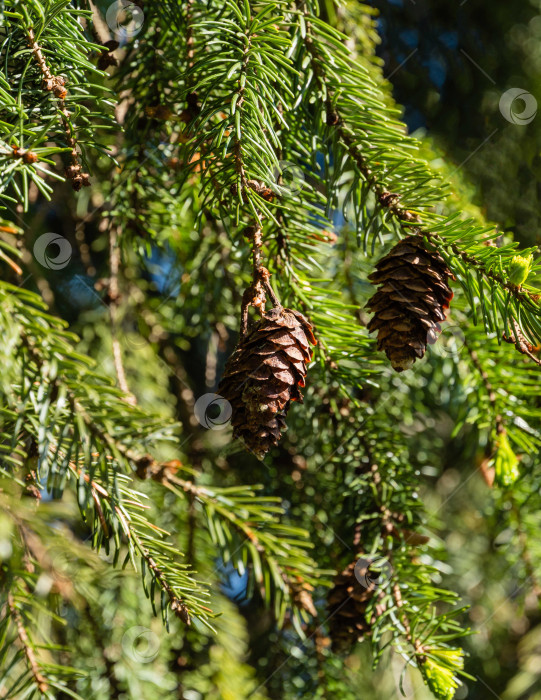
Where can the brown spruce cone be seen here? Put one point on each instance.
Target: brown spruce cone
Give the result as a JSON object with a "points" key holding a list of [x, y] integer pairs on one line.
{"points": [[346, 604], [301, 594], [265, 374], [410, 303]]}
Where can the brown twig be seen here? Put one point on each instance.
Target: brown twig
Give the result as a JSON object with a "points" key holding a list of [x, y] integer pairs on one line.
{"points": [[56, 85], [113, 295], [388, 528], [31, 660], [255, 295], [519, 341], [416, 644], [179, 608]]}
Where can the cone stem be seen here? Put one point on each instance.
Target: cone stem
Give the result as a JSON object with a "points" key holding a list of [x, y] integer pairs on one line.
{"points": [[270, 290], [256, 251], [256, 294], [246, 301]]}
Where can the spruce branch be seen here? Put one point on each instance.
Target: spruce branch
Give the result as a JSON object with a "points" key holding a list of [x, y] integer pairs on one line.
{"points": [[276, 550], [148, 549], [31, 660], [214, 99], [464, 244], [501, 402], [101, 433], [233, 135], [508, 387], [56, 85], [116, 509], [403, 605], [45, 50]]}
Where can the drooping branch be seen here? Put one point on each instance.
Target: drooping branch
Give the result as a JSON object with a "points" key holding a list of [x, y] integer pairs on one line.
{"points": [[297, 580], [177, 604], [441, 231]]}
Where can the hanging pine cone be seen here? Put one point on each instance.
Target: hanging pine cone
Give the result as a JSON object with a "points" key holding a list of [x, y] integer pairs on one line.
{"points": [[346, 605], [264, 375], [411, 301]]}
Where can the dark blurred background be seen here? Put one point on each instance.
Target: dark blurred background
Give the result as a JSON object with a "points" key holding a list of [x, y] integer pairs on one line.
{"points": [[450, 63]]}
